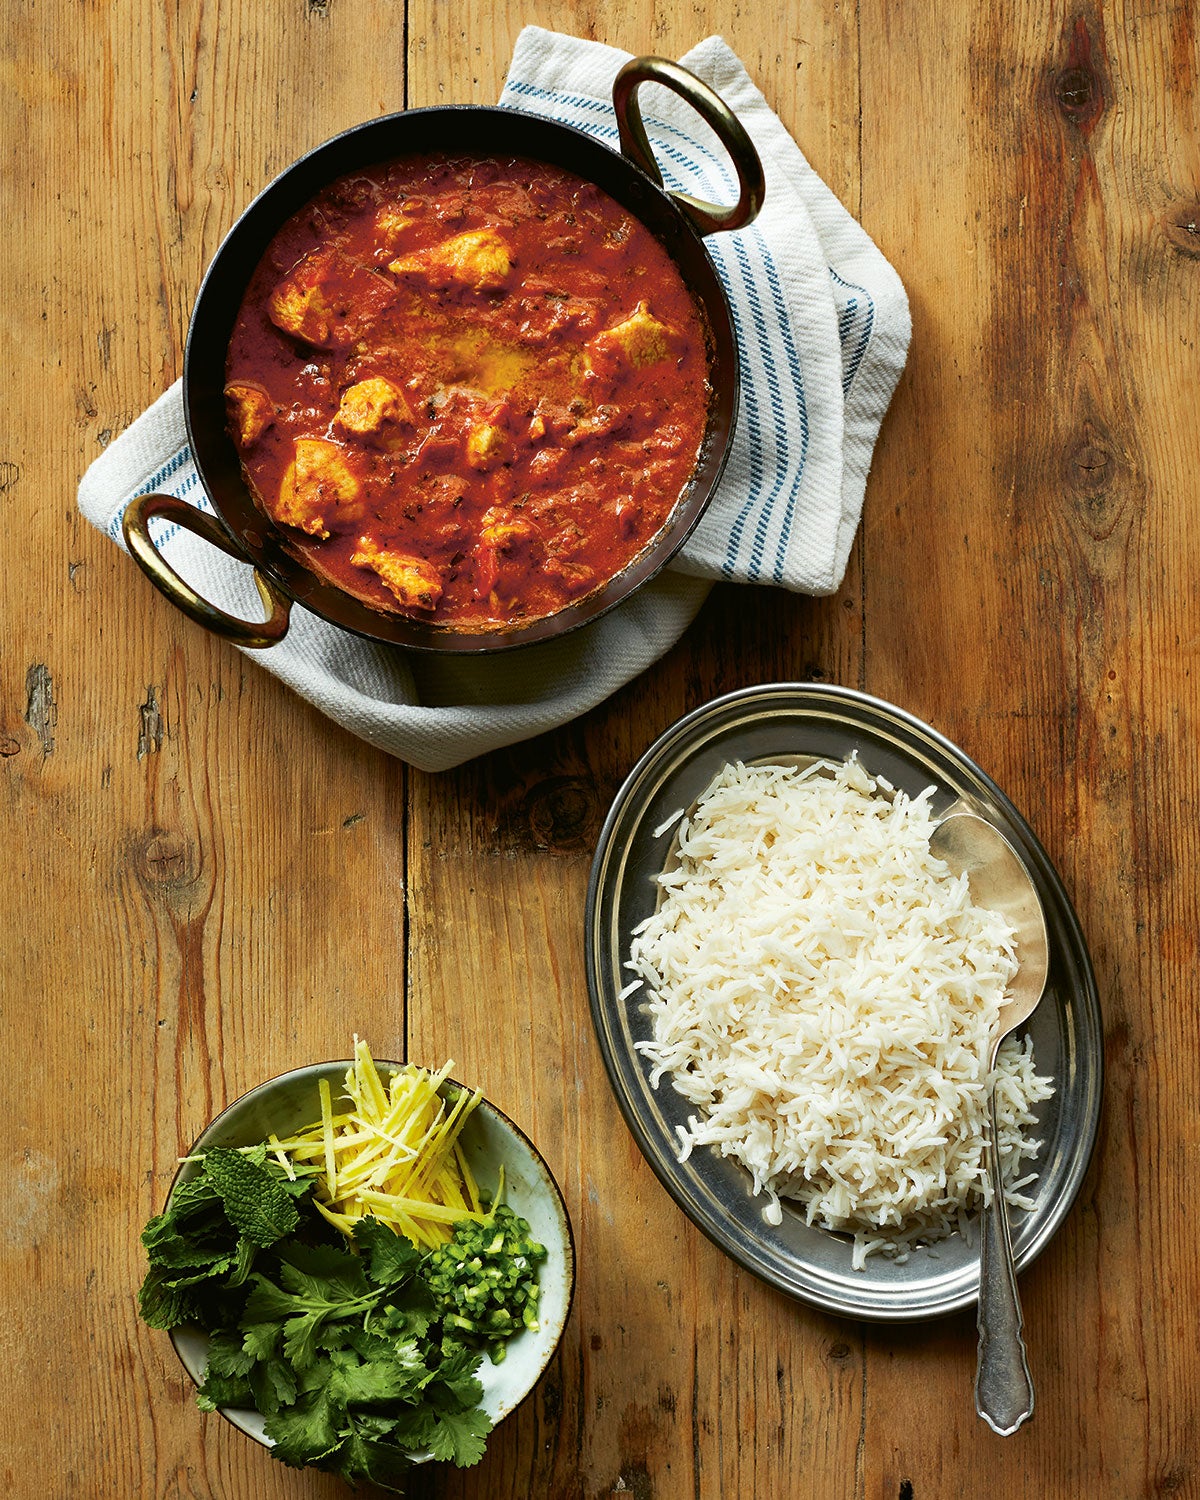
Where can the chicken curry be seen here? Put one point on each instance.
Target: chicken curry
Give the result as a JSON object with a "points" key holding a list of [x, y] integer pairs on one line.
{"points": [[468, 390]]}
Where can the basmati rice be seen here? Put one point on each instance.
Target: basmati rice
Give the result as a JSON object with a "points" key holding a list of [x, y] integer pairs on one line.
{"points": [[824, 991]]}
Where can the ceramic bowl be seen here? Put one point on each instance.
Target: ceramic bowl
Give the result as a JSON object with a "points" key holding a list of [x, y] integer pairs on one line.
{"points": [[292, 1101]]}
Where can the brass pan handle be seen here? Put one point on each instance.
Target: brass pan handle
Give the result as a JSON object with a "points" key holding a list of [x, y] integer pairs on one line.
{"points": [[135, 524], [709, 218]]}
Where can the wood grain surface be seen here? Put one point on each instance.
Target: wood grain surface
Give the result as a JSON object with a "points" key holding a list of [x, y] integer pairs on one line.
{"points": [[205, 882]]}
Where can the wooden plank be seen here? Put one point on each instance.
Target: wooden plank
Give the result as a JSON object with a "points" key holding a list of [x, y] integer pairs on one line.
{"points": [[206, 876], [672, 1378], [1037, 493]]}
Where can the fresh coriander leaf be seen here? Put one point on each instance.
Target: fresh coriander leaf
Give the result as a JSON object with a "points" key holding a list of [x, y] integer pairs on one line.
{"points": [[360, 1457], [295, 1187], [454, 1379], [266, 1303], [372, 1425], [304, 1310], [418, 1306], [367, 1384], [323, 1273], [300, 1337], [366, 1343], [413, 1428], [224, 1390], [405, 1354], [390, 1260], [227, 1354], [460, 1436], [334, 1335], [254, 1201], [306, 1432], [315, 1378], [260, 1340], [409, 1314], [273, 1382], [301, 1319]]}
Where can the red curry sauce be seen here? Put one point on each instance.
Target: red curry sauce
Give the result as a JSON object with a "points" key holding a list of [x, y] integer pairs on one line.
{"points": [[470, 391]]}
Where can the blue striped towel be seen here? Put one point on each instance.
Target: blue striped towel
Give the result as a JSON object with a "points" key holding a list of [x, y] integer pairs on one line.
{"points": [[821, 317], [823, 329]]}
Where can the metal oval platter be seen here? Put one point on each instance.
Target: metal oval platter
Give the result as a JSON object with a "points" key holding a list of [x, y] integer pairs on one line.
{"points": [[789, 720]]}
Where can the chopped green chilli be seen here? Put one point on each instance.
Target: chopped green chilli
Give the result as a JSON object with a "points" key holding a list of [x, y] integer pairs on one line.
{"points": [[484, 1280]]}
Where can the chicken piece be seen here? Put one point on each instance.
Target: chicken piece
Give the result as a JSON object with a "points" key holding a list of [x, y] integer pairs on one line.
{"points": [[371, 405], [416, 582], [251, 411], [497, 533], [605, 419], [486, 446], [316, 484], [390, 224], [640, 339], [478, 259], [500, 528], [298, 305]]}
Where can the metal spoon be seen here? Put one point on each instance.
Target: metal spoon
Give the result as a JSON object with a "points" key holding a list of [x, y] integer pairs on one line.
{"points": [[998, 880]]}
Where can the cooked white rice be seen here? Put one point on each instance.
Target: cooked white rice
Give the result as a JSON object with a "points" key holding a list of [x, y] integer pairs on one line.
{"points": [[824, 991]]}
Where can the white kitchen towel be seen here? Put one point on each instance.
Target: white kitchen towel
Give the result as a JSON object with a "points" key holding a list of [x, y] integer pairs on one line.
{"points": [[823, 329]]}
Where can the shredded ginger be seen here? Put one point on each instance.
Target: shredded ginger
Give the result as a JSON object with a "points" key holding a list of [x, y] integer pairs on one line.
{"points": [[824, 992], [394, 1155]]}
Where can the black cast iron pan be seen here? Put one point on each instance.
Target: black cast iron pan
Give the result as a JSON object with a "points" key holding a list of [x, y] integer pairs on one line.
{"points": [[632, 178]]}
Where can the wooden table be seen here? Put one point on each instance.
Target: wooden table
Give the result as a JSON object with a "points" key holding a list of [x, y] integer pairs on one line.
{"points": [[206, 882]]}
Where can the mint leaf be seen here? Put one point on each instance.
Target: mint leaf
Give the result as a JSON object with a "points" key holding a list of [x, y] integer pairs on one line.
{"points": [[390, 1260], [190, 1276], [254, 1202], [171, 1242], [164, 1306], [243, 1262], [187, 1196], [460, 1436]]}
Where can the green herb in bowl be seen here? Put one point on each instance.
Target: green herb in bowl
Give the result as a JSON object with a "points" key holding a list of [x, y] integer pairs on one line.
{"points": [[353, 1353]]}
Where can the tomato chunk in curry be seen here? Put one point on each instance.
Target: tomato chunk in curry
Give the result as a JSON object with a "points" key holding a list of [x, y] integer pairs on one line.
{"points": [[470, 391]]}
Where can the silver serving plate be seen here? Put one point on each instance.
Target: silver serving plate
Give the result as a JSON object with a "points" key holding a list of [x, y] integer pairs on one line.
{"points": [[786, 720]]}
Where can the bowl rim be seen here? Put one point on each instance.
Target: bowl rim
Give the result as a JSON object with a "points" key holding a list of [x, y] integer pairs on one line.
{"points": [[317, 1069]]}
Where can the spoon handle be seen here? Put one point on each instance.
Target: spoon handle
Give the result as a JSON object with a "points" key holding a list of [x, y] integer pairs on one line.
{"points": [[1003, 1387]]}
